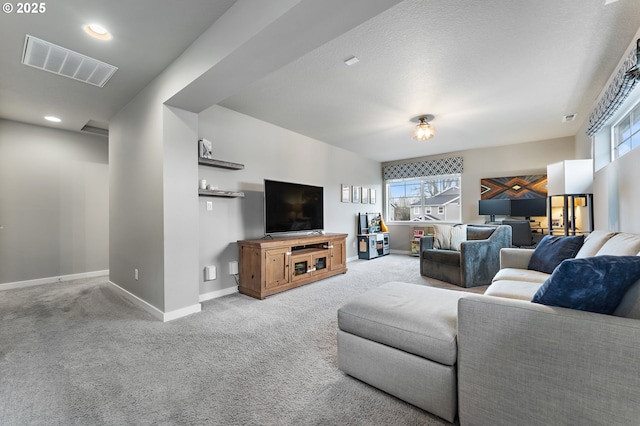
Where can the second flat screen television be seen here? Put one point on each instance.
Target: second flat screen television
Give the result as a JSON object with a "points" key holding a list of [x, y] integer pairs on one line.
{"points": [[529, 207], [292, 207]]}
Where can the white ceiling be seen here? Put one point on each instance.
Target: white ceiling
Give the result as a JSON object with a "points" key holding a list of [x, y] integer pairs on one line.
{"points": [[493, 72], [147, 36]]}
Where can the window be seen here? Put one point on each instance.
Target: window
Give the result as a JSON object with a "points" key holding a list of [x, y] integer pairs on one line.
{"points": [[620, 134], [626, 133], [417, 199]]}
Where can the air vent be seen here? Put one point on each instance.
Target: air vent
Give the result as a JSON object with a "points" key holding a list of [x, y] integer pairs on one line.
{"points": [[59, 60], [569, 117]]}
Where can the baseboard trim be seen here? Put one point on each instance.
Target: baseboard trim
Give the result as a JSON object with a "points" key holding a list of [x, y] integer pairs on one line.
{"points": [[53, 280], [401, 252], [218, 293], [155, 312], [351, 259]]}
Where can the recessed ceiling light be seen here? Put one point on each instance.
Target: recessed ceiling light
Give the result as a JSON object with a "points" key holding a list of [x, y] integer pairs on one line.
{"points": [[97, 31], [352, 61], [52, 118]]}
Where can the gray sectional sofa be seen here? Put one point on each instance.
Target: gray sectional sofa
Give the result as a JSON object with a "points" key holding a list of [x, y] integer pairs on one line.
{"points": [[498, 358]]}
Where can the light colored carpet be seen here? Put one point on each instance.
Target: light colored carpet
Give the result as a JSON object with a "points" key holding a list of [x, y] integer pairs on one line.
{"points": [[79, 354]]}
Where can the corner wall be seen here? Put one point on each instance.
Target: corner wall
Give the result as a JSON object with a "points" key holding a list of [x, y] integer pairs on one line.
{"points": [[616, 195], [54, 208]]}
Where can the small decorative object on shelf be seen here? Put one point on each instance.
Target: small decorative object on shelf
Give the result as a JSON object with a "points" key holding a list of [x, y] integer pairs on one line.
{"points": [[205, 149], [205, 157]]}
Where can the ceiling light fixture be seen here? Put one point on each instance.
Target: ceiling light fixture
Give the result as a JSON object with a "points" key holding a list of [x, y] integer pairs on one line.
{"points": [[52, 119], [352, 61], [97, 31], [423, 130]]}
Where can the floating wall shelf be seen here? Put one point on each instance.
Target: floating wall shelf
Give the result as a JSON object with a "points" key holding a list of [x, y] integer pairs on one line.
{"points": [[220, 163], [219, 193]]}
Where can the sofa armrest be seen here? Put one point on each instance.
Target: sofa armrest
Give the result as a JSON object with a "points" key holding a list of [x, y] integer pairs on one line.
{"points": [[426, 243], [515, 258], [480, 259], [519, 360]]}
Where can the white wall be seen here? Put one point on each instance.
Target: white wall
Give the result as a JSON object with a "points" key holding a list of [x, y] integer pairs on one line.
{"points": [[509, 160], [616, 195], [53, 202], [270, 152]]}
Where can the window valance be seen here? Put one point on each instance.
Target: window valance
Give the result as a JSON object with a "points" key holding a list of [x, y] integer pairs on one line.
{"points": [[619, 89], [444, 166]]}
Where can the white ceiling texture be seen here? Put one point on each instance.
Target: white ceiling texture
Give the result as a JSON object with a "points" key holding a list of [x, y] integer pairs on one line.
{"points": [[492, 72]]}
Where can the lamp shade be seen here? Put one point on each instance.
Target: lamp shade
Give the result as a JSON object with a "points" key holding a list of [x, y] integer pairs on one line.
{"points": [[424, 130], [570, 177]]}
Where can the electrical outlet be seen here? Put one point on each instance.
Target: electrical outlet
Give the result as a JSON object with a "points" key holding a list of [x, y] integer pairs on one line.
{"points": [[233, 267], [135, 274], [209, 206]]}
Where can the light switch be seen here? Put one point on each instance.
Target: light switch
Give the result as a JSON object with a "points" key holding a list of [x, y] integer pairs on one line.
{"points": [[209, 206], [210, 273]]}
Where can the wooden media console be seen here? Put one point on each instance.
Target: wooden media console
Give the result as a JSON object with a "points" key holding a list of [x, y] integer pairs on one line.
{"points": [[269, 266]]}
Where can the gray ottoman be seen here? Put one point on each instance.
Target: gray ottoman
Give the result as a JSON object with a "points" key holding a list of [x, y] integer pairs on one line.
{"points": [[401, 338]]}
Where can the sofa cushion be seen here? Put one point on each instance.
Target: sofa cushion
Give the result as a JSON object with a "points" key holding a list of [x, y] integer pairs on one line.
{"points": [[414, 318], [552, 250], [446, 257], [458, 235], [515, 274], [593, 242], [441, 236], [629, 307], [594, 284], [448, 237], [621, 245], [521, 290]]}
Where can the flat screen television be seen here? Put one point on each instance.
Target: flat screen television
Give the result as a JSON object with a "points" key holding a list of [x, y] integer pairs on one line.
{"points": [[292, 207], [494, 206], [528, 207]]}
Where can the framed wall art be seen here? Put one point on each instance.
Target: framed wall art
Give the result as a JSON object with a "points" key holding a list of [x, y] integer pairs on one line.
{"points": [[345, 193], [355, 194]]}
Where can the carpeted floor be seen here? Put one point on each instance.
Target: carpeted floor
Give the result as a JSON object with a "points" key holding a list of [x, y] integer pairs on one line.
{"points": [[77, 353]]}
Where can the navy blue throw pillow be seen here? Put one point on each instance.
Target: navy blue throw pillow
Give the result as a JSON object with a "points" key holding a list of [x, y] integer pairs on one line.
{"points": [[594, 284], [552, 250]]}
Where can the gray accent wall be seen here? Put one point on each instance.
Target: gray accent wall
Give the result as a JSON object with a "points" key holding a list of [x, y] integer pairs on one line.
{"points": [[270, 152], [53, 202]]}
